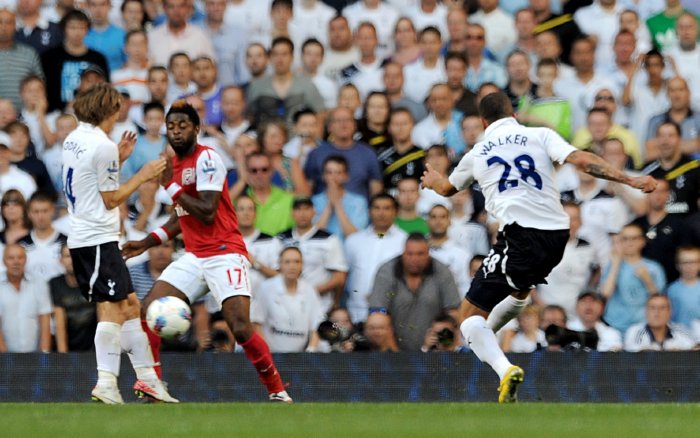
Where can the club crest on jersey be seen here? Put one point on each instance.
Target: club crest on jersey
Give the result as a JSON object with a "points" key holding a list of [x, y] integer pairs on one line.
{"points": [[208, 166], [187, 176]]}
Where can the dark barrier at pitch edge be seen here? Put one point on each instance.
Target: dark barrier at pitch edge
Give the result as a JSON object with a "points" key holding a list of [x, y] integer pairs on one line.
{"points": [[371, 377]]}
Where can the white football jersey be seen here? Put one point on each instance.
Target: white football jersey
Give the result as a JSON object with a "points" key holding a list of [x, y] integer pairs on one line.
{"points": [[90, 166], [513, 164]]}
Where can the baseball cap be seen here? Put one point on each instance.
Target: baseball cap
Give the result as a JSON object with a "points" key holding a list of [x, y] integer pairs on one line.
{"points": [[92, 68], [302, 200], [591, 293], [5, 140]]}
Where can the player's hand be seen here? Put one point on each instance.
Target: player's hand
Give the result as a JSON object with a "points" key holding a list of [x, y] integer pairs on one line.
{"points": [[646, 184], [126, 145], [133, 248], [167, 174], [430, 177], [152, 169]]}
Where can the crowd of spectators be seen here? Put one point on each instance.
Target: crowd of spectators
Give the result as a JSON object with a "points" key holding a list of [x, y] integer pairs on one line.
{"points": [[325, 113]]}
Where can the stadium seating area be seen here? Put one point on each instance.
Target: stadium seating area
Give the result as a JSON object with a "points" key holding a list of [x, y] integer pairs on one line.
{"points": [[325, 114]]}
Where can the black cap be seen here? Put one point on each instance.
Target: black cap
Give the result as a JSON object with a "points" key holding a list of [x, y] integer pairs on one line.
{"points": [[302, 200], [591, 293], [92, 68]]}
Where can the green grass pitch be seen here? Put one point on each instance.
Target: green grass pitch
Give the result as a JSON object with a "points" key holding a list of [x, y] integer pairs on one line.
{"points": [[350, 420]]}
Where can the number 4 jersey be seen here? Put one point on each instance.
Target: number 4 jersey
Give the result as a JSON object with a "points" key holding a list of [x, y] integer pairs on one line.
{"points": [[513, 164], [90, 166]]}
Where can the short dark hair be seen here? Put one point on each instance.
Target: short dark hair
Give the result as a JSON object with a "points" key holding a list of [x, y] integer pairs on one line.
{"points": [[653, 53], [313, 41], [74, 15], [175, 55], [401, 110], [182, 107], [41, 197], [282, 40], [429, 29], [675, 125], [386, 196], [599, 111], [546, 62], [495, 106], [153, 105], [416, 236], [339, 159], [285, 3], [453, 54], [305, 111], [133, 32]]}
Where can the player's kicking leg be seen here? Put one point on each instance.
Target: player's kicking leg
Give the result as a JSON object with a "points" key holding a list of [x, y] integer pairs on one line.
{"points": [[236, 310], [481, 338]]}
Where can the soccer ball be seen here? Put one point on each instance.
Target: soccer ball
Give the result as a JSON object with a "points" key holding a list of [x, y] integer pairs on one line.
{"points": [[169, 317]]}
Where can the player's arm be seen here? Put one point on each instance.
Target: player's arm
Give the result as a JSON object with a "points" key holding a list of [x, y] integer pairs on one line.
{"points": [[431, 179], [594, 165], [203, 208], [169, 230], [114, 198]]}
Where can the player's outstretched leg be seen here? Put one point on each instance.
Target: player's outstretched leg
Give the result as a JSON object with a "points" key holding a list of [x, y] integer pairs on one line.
{"points": [[135, 342], [483, 342], [236, 312]]}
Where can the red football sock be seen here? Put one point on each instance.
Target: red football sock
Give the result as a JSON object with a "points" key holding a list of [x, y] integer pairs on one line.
{"points": [[258, 353], [154, 340]]}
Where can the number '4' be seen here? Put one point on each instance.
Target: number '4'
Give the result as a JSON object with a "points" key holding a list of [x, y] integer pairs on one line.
{"points": [[527, 174]]}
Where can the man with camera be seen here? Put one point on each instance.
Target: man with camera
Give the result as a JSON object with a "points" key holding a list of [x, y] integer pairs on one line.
{"points": [[412, 289], [443, 335]]}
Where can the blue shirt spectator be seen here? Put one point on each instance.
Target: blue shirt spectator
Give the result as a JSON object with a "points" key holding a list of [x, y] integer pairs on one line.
{"points": [[627, 304], [109, 42], [355, 207]]}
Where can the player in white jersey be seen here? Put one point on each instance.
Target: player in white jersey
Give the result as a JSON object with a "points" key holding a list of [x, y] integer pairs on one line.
{"points": [[513, 164], [91, 164]]}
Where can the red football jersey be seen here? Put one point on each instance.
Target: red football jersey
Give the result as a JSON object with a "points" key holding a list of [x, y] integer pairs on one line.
{"points": [[204, 171]]}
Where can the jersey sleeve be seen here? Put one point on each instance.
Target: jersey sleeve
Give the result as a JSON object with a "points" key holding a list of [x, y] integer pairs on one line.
{"points": [[557, 148], [463, 174], [106, 164], [335, 258], [211, 172]]}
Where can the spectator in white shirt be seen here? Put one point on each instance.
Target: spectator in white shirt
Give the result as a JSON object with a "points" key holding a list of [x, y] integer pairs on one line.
{"points": [[286, 309], [658, 333], [132, 75], [312, 53], [589, 309], [25, 306], [529, 337], [601, 21], [582, 83], [368, 249], [498, 24], [442, 126], [365, 74], [446, 250], [381, 15], [430, 70], [686, 56], [311, 17], [324, 261], [176, 35], [341, 51], [429, 13]]}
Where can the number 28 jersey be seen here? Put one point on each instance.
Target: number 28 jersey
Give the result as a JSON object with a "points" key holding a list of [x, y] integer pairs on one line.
{"points": [[90, 166], [513, 164]]}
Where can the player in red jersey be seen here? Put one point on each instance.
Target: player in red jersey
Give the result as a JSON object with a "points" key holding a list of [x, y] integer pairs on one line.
{"points": [[216, 257]]}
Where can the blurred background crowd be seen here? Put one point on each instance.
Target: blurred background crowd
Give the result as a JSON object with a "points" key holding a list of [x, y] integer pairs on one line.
{"points": [[325, 114]]}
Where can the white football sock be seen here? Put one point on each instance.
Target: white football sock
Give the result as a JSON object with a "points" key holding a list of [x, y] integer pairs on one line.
{"points": [[482, 340], [504, 311], [108, 352], [135, 342]]}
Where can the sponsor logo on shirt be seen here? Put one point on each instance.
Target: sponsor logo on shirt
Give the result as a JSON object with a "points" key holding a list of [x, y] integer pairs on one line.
{"points": [[187, 176], [113, 167], [209, 166]]}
